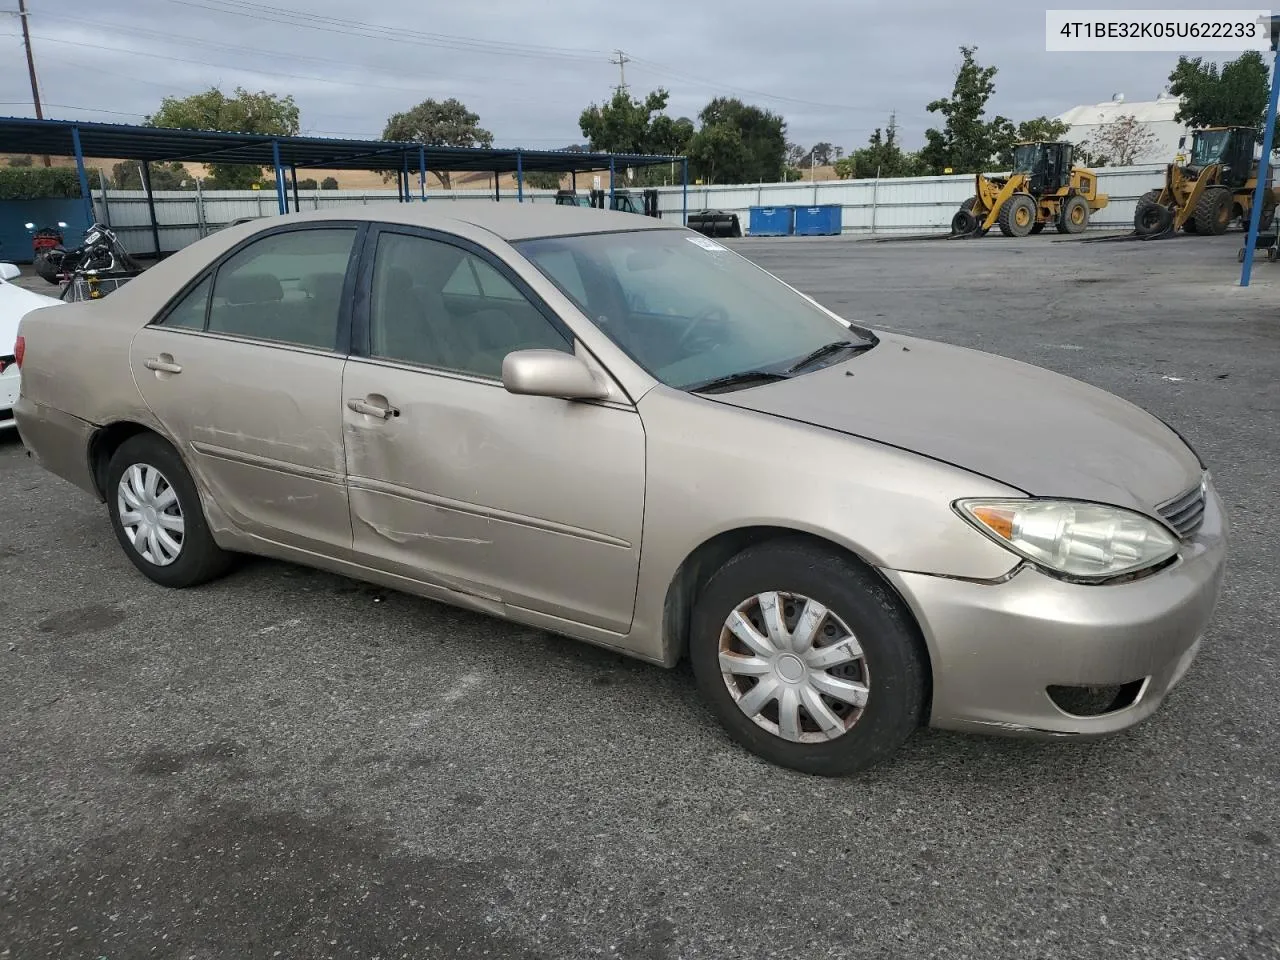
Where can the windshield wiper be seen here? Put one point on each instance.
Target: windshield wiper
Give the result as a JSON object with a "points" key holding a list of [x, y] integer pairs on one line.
{"points": [[826, 350], [737, 379]]}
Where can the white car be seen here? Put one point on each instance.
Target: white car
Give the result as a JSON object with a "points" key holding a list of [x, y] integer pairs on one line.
{"points": [[15, 303]]}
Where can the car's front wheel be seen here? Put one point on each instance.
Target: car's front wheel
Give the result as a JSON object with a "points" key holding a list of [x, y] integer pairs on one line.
{"points": [[156, 514], [808, 659]]}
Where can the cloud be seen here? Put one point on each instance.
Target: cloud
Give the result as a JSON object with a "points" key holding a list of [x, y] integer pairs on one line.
{"points": [[833, 68]]}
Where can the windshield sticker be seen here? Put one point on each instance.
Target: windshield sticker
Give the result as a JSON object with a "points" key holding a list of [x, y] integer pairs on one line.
{"points": [[707, 244]]}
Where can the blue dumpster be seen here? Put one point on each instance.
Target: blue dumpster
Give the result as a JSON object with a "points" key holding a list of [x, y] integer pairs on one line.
{"points": [[822, 221], [771, 221]]}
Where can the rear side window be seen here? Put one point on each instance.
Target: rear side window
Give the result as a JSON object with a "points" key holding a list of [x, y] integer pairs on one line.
{"points": [[190, 310], [285, 288]]}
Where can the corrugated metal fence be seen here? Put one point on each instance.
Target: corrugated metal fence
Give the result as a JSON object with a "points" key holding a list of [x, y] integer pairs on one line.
{"points": [[909, 205]]}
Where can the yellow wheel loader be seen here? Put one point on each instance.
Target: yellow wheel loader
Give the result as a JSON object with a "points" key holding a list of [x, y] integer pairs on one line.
{"points": [[1043, 188], [1205, 191]]}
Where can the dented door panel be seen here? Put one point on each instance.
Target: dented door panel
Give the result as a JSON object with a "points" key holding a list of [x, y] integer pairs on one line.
{"points": [[259, 426], [531, 501]]}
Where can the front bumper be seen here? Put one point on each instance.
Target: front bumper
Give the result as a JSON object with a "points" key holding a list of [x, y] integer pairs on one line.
{"points": [[997, 648]]}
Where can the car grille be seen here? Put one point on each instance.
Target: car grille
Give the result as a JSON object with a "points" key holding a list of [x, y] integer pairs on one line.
{"points": [[1185, 513]]}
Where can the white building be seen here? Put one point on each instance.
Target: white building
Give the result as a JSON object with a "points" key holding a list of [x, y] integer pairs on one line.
{"points": [[1156, 115]]}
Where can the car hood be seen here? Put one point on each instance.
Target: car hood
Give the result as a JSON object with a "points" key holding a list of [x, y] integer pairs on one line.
{"points": [[15, 303], [1024, 426]]}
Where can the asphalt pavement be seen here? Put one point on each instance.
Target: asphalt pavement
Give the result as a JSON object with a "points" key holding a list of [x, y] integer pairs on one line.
{"points": [[289, 764]]}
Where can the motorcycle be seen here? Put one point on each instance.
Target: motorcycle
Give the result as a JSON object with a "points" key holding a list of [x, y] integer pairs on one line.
{"points": [[45, 238], [88, 272]]}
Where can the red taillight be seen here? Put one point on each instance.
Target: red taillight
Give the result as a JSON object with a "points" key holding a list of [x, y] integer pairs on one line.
{"points": [[19, 348]]}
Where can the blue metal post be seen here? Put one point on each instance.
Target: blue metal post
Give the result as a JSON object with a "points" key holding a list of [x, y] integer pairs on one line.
{"points": [[1267, 137], [281, 196], [85, 195], [684, 178], [612, 200], [422, 173], [519, 177]]}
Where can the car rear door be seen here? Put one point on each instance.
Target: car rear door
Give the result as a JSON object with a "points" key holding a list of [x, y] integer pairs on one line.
{"points": [[244, 371], [533, 501]]}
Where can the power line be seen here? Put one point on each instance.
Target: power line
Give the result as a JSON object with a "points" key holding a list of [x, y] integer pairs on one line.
{"points": [[362, 83], [258, 52], [396, 34], [273, 14]]}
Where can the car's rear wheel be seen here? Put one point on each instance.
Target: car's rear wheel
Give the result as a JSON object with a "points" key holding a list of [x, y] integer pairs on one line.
{"points": [[808, 659], [156, 514]]}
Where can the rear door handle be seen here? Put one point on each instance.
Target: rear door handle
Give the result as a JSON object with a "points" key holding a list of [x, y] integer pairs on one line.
{"points": [[163, 363], [372, 408]]}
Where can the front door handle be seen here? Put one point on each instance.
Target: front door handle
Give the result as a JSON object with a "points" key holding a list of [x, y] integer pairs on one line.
{"points": [[163, 364], [372, 408]]}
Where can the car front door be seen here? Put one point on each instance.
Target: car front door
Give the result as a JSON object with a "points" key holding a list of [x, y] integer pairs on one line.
{"points": [[533, 501], [244, 372]]}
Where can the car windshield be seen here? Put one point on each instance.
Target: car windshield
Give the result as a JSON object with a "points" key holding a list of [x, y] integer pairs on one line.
{"points": [[687, 309], [1208, 147]]}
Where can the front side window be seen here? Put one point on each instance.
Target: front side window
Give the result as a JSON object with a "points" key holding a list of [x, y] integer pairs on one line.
{"points": [[286, 288], [436, 305], [687, 309]]}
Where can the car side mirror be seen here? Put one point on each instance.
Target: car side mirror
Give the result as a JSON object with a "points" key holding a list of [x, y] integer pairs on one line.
{"points": [[9, 271], [551, 373]]}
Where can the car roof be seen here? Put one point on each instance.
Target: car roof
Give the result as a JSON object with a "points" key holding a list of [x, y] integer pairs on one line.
{"points": [[509, 220]]}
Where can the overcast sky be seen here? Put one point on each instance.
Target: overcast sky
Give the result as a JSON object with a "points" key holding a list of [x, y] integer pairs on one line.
{"points": [[833, 68]]}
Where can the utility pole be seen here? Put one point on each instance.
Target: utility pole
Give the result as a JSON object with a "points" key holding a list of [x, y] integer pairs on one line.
{"points": [[621, 63], [31, 63]]}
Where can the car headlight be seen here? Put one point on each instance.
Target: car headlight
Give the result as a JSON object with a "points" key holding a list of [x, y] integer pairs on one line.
{"points": [[1084, 541]]}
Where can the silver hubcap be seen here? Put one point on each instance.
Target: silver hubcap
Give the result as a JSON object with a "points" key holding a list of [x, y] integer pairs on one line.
{"points": [[794, 667], [150, 514]]}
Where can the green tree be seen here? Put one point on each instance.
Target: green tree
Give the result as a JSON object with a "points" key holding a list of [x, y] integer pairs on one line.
{"points": [[542, 180], [1041, 129], [738, 143], [968, 142], [127, 175], [628, 125], [24, 161], [1233, 96], [329, 183], [718, 154], [882, 156], [244, 112], [438, 123]]}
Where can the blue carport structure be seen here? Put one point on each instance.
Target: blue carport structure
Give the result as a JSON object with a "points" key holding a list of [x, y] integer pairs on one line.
{"points": [[83, 139], [1268, 136]]}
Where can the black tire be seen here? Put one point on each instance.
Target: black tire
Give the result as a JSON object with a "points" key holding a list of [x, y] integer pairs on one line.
{"points": [[1212, 215], [199, 559], [1073, 217], [1038, 228], [1018, 215], [894, 662], [964, 222], [1150, 217], [47, 267]]}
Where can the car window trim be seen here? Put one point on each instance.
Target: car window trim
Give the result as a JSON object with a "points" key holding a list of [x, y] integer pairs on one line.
{"points": [[361, 330], [343, 339]]}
